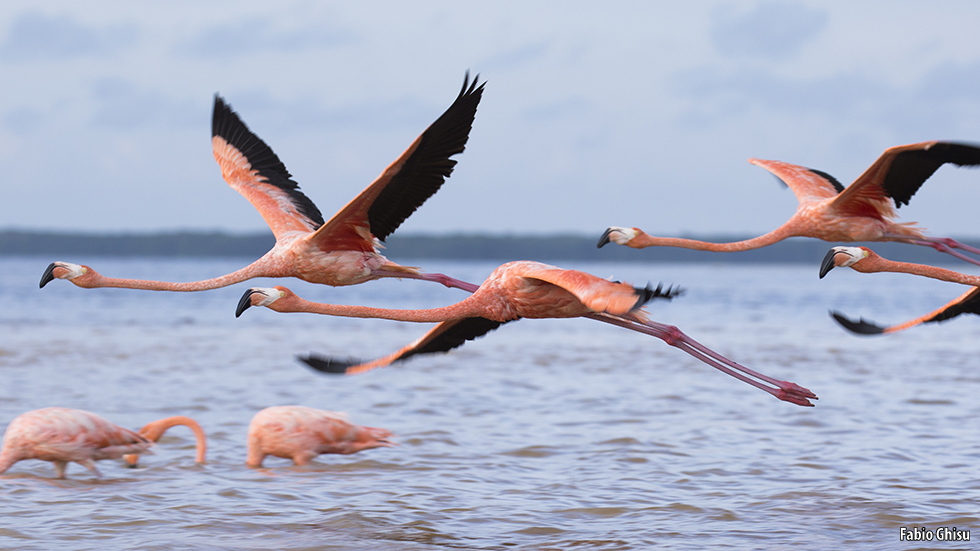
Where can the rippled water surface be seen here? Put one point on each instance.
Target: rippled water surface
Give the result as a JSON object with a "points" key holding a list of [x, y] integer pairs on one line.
{"points": [[546, 434]]}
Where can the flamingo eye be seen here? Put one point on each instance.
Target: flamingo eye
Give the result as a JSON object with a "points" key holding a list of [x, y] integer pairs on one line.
{"points": [[282, 294]]}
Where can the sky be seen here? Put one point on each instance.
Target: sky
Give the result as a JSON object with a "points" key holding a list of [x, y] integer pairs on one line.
{"points": [[594, 114]]}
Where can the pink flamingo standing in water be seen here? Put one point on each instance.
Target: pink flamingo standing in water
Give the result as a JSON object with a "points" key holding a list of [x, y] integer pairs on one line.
{"points": [[342, 251], [863, 259], [827, 211], [525, 289], [154, 431], [302, 433], [62, 435]]}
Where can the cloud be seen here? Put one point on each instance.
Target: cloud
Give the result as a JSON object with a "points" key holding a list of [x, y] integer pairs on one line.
{"points": [[772, 30], [35, 36], [119, 104], [257, 35]]}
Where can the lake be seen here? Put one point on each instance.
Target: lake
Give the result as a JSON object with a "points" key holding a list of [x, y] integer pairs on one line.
{"points": [[545, 434]]}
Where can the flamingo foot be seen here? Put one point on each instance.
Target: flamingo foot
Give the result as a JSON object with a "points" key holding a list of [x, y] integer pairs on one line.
{"points": [[794, 394]]}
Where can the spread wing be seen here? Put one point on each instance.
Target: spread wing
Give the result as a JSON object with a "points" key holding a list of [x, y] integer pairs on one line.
{"points": [[251, 168], [901, 171], [967, 303], [808, 185], [441, 338], [408, 182], [599, 295]]}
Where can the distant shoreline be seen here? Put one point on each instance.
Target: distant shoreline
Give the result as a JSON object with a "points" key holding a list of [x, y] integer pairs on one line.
{"points": [[401, 248]]}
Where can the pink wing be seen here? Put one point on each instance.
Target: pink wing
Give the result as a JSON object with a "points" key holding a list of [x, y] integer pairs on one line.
{"points": [[597, 294], [71, 432], [251, 168], [407, 183], [807, 184]]}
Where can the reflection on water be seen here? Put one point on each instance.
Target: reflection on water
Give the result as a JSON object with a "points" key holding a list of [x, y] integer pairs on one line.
{"points": [[544, 434]]}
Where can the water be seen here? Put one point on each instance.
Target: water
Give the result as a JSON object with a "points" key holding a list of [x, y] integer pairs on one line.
{"points": [[546, 434]]}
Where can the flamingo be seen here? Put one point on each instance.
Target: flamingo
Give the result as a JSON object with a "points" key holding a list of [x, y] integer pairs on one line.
{"points": [[61, 435], [154, 431], [526, 289], [342, 251], [865, 260], [302, 433], [828, 211]]}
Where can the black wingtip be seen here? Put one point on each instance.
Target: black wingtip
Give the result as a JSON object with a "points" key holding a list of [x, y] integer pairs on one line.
{"points": [[861, 327], [604, 240], [48, 275], [245, 302], [648, 293], [828, 263], [323, 364]]}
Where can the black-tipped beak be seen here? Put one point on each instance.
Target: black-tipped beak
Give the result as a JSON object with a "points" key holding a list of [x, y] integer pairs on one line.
{"points": [[828, 263], [48, 275], [245, 302], [604, 239]]}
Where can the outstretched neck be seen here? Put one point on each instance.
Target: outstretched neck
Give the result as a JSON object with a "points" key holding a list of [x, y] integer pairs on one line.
{"points": [[879, 264], [774, 236], [256, 269], [459, 310]]}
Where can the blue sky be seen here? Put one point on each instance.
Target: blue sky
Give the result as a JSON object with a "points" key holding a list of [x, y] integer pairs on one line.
{"points": [[595, 114]]}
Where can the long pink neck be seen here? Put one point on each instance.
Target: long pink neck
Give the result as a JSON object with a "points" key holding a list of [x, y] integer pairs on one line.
{"points": [[464, 309], [256, 269], [880, 264], [154, 431], [755, 243]]}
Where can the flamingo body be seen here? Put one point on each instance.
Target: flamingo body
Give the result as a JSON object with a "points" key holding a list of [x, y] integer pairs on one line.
{"points": [[864, 211], [339, 251], [63, 435], [524, 289], [302, 433], [864, 260]]}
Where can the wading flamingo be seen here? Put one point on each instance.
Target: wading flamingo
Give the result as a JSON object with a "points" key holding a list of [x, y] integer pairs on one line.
{"points": [[827, 211], [154, 431], [301, 433], [527, 289], [865, 260], [342, 251], [61, 435]]}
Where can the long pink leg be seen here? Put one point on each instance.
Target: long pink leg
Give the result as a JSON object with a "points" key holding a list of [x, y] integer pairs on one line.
{"points": [[785, 390], [941, 244], [450, 282]]}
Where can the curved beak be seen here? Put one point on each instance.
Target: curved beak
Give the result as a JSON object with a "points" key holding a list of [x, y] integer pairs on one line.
{"points": [[604, 240], [48, 275], [828, 263], [246, 301]]}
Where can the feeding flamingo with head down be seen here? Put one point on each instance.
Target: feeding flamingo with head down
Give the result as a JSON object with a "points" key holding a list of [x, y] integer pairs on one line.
{"points": [[63, 435], [526, 289], [302, 433], [154, 431], [863, 259], [341, 251], [828, 211]]}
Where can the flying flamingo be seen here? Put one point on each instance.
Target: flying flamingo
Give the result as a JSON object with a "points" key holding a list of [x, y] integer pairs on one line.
{"points": [[61, 435], [827, 211], [865, 260], [342, 251], [527, 289], [301, 433], [154, 431]]}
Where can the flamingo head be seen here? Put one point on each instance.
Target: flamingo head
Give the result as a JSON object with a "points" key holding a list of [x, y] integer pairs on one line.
{"points": [[843, 257], [617, 235], [260, 296], [65, 270]]}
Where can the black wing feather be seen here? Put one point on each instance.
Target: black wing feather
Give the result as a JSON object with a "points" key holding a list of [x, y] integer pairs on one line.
{"points": [[428, 167], [862, 327], [833, 181], [910, 169], [969, 305], [227, 124]]}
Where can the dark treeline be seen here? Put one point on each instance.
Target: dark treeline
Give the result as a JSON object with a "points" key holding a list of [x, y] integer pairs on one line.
{"points": [[77, 247]]}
